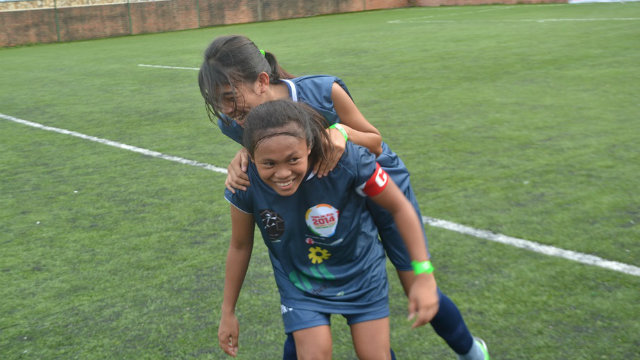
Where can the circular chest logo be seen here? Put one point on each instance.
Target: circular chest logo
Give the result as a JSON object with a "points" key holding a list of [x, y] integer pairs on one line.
{"points": [[322, 219]]}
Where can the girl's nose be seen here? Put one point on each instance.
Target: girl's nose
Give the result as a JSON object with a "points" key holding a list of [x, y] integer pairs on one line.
{"points": [[227, 109], [283, 172]]}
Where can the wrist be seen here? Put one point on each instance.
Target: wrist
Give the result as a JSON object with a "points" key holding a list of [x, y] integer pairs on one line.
{"points": [[341, 129], [228, 310], [422, 267]]}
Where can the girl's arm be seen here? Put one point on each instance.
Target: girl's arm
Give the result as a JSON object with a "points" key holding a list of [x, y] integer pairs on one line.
{"points": [[238, 257], [423, 295], [359, 130], [237, 177]]}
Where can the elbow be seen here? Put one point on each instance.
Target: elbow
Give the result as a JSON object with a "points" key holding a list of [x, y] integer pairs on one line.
{"points": [[377, 150]]}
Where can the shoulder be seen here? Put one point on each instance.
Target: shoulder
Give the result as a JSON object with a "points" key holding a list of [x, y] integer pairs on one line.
{"points": [[231, 129], [322, 81], [358, 161], [245, 200]]}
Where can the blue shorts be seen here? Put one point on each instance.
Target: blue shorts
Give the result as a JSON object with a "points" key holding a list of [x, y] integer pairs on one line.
{"points": [[299, 319]]}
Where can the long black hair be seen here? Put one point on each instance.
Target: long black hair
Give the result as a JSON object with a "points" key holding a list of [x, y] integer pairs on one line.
{"points": [[230, 60]]}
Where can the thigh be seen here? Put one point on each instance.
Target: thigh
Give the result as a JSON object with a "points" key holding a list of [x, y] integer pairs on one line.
{"points": [[371, 339], [313, 343]]}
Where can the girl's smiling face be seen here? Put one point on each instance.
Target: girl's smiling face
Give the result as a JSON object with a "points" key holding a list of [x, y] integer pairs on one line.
{"points": [[282, 161], [238, 101]]}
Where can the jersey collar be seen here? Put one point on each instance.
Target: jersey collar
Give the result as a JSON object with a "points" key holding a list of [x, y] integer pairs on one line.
{"points": [[293, 93]]}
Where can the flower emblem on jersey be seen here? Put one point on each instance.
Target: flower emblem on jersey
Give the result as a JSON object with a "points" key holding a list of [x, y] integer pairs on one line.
{"points": [[317, 255], [322, 219], [272, 223]]}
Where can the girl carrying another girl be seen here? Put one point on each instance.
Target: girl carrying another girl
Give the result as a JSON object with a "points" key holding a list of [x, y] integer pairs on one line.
{"points": [[322, 240], [236, 76]]}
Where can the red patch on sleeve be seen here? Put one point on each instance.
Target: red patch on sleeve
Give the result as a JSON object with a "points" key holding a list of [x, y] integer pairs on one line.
{"points": [[377, 182]]}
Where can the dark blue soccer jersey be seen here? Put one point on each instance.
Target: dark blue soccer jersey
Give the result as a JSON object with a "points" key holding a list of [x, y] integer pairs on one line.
{"points": [[315, 91], [322, 241]]}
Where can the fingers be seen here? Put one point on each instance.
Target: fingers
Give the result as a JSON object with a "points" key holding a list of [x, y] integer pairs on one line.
{"points": [[423, 316], [244, 160], [339, 144], [423, 306], [325, 166], [229, 187], [229, 345], [237, 182], [236, 179]]}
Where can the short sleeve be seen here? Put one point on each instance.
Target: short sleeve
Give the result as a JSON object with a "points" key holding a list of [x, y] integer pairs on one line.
{"points": [[370, 179], [233, 130], [240, 200]]}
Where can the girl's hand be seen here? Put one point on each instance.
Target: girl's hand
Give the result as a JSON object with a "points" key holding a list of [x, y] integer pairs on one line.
{"points": [[323, 167], [228, 332], [423, 299], [237, 177]]}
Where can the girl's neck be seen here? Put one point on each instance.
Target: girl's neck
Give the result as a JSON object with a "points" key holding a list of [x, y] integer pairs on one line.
{"points": [[278, 91]]}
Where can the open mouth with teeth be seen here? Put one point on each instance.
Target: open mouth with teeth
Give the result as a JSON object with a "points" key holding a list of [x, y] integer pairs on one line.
{"points": [[285, 184]]}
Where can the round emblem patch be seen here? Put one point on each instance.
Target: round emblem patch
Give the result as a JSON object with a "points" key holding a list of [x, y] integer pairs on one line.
{"points": [[322, 219]]}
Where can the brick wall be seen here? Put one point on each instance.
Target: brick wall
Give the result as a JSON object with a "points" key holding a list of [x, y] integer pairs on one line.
{"points": [[46, 21]]}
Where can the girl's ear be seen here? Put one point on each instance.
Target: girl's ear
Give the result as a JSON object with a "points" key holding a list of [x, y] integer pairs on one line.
{"points": [[263, 82]]}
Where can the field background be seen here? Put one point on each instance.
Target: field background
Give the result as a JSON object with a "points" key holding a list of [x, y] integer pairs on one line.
{"points": [[522, 120]]}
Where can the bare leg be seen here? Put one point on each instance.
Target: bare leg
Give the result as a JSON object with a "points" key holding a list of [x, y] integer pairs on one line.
{"points": [[313, 343], [371, 339]]}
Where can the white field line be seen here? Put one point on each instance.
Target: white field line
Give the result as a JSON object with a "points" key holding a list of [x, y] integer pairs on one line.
{"points": [[116, 144], [168, 67], [417, 21], [534, 246], [444, 224]]}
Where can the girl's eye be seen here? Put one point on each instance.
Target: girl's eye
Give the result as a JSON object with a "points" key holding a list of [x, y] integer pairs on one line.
{"points": [[267, 164], [294, 160]]}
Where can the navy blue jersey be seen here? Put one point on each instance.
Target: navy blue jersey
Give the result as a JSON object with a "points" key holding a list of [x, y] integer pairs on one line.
{"points": [[315, 91], [322, 240]]}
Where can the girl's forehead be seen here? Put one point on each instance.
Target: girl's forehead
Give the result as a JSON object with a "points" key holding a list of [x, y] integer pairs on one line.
{"points": [[289, 134]]}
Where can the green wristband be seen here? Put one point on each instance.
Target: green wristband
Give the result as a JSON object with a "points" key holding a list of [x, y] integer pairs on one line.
{"points": [[422, 267], [341, 129]]}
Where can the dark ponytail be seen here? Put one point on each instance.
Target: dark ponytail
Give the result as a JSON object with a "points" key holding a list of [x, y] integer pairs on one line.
{"points": [[230, 60], [277, 72]]}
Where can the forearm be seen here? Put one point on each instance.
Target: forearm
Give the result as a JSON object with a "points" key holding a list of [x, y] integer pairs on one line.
{"points": [[410, 228], [238, 257], [235, 272], [370, 140], [358, 128], [406, 218]]}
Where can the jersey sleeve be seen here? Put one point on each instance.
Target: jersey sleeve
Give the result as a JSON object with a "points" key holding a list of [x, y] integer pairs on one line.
{"points": [[315, 91], [371, 179], [233, 130], [376, 183], [240, 200]]}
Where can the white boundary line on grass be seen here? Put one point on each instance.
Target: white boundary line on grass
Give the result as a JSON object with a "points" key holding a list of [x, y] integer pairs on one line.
{"points": [[116, 144], [425, 21], [168, 67], [444, 224]]}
